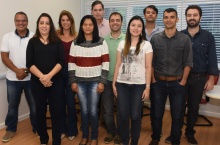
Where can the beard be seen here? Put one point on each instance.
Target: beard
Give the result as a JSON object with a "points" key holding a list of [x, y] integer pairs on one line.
{"points": [[189, 24]]}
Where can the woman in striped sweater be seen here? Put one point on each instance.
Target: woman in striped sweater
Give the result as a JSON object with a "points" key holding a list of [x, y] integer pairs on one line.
{"points": [[88, 70]]}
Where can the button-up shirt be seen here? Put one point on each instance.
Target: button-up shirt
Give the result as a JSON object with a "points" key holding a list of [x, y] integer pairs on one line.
{"points": [[171, 55], [156, 30], [104, 28], [204, 52]]}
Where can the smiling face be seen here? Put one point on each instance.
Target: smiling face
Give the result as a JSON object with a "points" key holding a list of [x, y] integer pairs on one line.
{"points": [[88, 27], [150, 15], [21, 22], [44, 26], [65, 22], [115, 23], [136, 28], [170, 19], [98, 12], [193, 18]]}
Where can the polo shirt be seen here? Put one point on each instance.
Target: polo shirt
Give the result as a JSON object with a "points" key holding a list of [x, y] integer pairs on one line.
{"points": [[16, 47], [112, 48]]}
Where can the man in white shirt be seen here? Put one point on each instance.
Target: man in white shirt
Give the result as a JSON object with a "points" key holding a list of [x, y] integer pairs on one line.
{"points": [[13, 53]]}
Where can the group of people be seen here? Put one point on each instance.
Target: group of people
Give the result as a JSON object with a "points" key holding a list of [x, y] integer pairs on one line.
{"points": [[100, 63]]}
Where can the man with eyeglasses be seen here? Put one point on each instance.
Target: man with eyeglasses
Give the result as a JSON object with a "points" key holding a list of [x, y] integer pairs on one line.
{"points": [[13, 54]]}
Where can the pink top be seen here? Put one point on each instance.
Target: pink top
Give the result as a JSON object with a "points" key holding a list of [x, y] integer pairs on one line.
{"points": [[104, 28]]}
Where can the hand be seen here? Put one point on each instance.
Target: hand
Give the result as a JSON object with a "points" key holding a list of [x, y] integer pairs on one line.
{"points": [[20, 74], [100, 88], [74, 87], [115, 90], [45, 80], [182, 82], [145, 94], [209, 85]]}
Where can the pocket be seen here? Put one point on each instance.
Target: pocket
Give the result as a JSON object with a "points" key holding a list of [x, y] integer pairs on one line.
{"points": [[178, 53]]}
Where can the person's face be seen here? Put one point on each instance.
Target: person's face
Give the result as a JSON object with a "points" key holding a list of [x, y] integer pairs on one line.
{"points": [[150, 15], [170, 20], [193, 18], [88, 27], [65, 22], [136, 28], [21, 22], [98, 12], [115, 23], [44, 26]]}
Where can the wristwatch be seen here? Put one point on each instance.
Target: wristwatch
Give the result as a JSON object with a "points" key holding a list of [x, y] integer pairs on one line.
{"points": [[27, 72]]}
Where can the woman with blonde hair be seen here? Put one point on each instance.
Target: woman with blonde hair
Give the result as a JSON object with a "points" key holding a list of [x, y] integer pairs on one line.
{"points": [[67, 33]]}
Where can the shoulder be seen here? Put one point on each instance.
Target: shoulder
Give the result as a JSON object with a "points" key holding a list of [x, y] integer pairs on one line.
{"points": [[207, 33]]}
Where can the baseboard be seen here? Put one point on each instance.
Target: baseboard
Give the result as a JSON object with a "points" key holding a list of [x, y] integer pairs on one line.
{"points": [[20, 118]]}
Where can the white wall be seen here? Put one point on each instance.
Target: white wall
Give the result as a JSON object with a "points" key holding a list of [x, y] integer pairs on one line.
{"points": [[33, 8]]}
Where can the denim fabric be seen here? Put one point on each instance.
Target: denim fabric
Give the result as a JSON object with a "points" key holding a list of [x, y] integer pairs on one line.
{"points": [[195, 87], [108, 107], [52, 96], [14, 91], [89, 100], [161, 90], [129, 107], [69, 123]]}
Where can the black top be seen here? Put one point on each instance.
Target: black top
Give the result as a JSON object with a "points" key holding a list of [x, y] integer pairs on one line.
{"points": [[44, 56], [171, 55]]}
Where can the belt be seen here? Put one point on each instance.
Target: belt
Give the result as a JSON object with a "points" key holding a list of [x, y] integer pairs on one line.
{"points": [[197, 75], [168, 78]]}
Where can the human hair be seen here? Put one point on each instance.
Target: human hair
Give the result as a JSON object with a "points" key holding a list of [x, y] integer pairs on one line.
{"points": [[151, 7], [95, 33], [96, 2], [194, 7], [70, 17], [52, 37], [21, 13], [128, 36], [169, 10], [116, 13]]}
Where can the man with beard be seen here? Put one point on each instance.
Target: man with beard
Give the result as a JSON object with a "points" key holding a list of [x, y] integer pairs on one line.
{"points": [[204, 64], [112, 40]]}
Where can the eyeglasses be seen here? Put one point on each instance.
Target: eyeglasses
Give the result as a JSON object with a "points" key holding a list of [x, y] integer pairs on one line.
{"points": [[20, 21]]}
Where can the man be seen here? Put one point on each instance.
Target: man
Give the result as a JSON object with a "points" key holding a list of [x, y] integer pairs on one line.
{"points": [[151, 28], [112, 40], [13, 53], [172, 62], [98, 13], [204, 63]]}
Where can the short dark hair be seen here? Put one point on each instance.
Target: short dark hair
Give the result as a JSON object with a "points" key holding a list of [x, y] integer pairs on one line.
{"points": [[169, 10], [95, 34], [152, 7], [194, 7], [21, 13], [96, 3], [116, 13]]}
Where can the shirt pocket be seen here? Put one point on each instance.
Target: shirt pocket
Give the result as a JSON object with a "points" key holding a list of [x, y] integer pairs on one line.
{"points": [[178, 53], [199, 48], [159, 51]]}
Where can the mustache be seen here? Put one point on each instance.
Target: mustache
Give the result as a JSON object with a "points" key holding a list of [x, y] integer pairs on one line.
{"points": [[192, 20]]}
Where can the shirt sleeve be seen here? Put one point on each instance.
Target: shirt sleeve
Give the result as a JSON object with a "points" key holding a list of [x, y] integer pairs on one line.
{"points": [[105, 63], [60, 53], [188, 54], [71, 65], [4, 44], [30, 53]]}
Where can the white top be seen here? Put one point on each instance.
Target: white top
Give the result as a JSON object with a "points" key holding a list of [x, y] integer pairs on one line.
{"points": [[215, 93], [16, 46], [132, 69]]}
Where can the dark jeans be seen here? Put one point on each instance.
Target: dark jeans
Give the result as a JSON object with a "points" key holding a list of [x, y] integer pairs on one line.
{"points": [[176, 93], [129, 107], [108, 109], [195, 88], [14, 91], [69, 123], [53, 95], [89, 100]]}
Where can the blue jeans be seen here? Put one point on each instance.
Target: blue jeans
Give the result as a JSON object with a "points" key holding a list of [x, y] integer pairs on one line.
{"points": [[177, 98], [195, 88], [14, 91], [52, 96], [69, 124], [130, 106], [89, 100], [108, 109]]}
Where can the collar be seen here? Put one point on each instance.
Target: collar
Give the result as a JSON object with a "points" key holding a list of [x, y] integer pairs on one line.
{"points": [[187, 32], [104, 22], [110, 36], [26, 35], [174, 36]]}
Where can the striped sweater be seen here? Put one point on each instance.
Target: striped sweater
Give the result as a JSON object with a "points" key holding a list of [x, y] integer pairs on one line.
{"points": [[88, 62]]}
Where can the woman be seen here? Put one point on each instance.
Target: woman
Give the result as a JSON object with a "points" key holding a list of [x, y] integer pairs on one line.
{"points": [[67, 33], [132, 76], [45, 58], [88, 70]]}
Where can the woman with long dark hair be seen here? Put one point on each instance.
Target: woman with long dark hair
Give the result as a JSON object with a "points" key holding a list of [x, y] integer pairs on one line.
{"points": [[45, 58], [88, 70], [132, 76]]}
